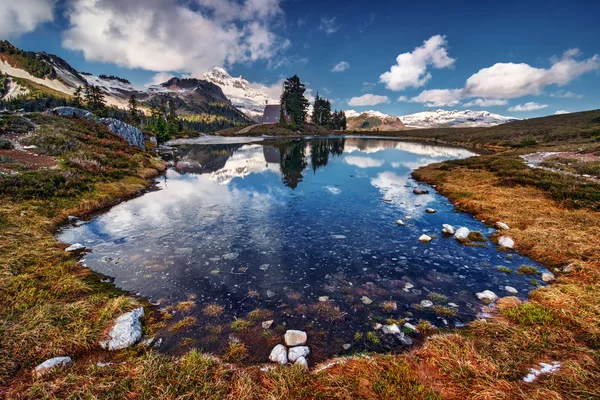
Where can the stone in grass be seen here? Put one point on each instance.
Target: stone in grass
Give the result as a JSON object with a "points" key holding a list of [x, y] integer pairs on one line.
{"points": [[425, 239], [52, 363], [279, 355], [548, 277], [295, 353], [506, 242], [448, 229], [302, 363], [392, 329], [126, 331], [502, 226], [295, 338], [75, 247], [462, 234], [487, 295]]}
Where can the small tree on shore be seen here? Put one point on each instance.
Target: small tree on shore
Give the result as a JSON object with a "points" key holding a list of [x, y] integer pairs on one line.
{"points": [[293, 102]]}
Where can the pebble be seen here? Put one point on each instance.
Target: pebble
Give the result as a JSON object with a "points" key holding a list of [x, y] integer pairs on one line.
{"points": [[267, 324], [391, 329], [365, 300], [425, 239], [426, 303], [511, 289]]}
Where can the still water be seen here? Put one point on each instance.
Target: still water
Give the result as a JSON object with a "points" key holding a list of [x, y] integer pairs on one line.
{"points": [[304, 232]]}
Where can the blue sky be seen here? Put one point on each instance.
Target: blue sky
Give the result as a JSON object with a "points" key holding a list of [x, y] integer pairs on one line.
{"points": [[515, 58]]}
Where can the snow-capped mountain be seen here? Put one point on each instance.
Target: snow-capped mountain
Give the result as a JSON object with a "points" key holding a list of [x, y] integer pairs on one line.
{"points": [[455, 119], [248, 98]]}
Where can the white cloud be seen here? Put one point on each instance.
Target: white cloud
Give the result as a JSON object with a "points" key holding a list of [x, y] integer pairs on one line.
{"points": [[509, 80], [363, 162], [368, 100], [403, 98], [166, 35], [368, 86], [328, 25], [411, 68], [160, 77], [286, 61], [560, 112], [531, 106], [486, 103], [566, 95], [439, 97], [19, 17], [333, 190], [341, 66]]}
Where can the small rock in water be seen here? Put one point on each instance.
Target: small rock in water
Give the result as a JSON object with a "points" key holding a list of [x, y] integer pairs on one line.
{"points": [[302, 362], [366, 300], [75, 247], [462, 234], [420, 191], [126, 331], [52, 363], [430, 210], [324, 299], [296, 352], [448, 229], [279, 354], [487, 295], [426, 303], [264, 267], [346, 346], [425, 239], [408, 285], [270, 294], [295, 338], [71, 218], [267, 324], [506, 241], [377, 326], [338, 237], [400, 222], [453, 305], [391, 329], [511, 289], [502, 226], [548, 277], [410, 326], [231, 256], [405, 340]]}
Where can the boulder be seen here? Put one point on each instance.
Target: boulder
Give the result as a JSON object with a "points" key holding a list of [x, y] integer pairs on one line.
{"points": [[279, 355], [502, 226], [52, 363], [487, 295], [131, 134], [506, 241], [462, 234], [425, 239], [295, 338], [448, 229], [126, 331], [72, 112], [295, 353], [430, 210], [420, 191], [548, 277], [302, 363], [75, 247], [392, 329]]}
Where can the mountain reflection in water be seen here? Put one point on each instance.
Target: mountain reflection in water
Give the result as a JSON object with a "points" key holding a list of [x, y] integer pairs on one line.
{"points": [[295, 231]]}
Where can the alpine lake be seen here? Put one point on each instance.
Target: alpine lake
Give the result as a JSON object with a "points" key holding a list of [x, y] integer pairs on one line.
{"points": [[301, 232]]}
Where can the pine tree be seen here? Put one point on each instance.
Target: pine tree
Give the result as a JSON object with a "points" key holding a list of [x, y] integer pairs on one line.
{"points": [[133, 113], [293, 101], [160, 126], [316, 115], [172, 119], [77, 97]]}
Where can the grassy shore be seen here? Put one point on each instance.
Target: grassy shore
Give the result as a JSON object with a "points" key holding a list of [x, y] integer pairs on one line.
{"points": [[51, 306]]}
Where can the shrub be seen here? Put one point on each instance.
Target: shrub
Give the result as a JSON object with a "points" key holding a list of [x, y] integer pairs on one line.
{"points": [[528, 141]]}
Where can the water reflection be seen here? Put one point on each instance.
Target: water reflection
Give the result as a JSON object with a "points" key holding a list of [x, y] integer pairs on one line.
{"points": [[278, 225]]}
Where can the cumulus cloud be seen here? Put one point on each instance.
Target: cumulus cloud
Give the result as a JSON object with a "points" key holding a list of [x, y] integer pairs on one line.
{"points": [[438, 97], [411, 68], [368, 100], [560, 112], [531, 106], [486, 103], [166, 35], [328, 25], [19, 17], [160, 77], [363, 162], [341, 66]]}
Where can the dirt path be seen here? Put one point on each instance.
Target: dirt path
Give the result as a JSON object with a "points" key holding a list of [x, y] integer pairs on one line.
{"points": [[247, 129]]}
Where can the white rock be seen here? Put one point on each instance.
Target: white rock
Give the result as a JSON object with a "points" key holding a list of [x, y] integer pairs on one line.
{"points": [[126, 331], [511, 289], [502, 225], [548, 277], [453, 305], [366, 300], [75, 247], [302, 362], [408, 285], [487, 295], [462, 233], [295, 338], [72, 218], [425, 239], [430, 210], [279, 354], [295, 353], [377, 326], [148, 342], [267, 324], [448, 229], [347, 346], [400, 222], [506, 241], [405, 340], [391, 329], [426, 303], [55, 362], [410, 326], [324, 299]]}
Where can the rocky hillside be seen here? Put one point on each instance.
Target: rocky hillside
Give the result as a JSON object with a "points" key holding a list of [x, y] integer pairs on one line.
{"points": [[192, 96], [372, 121]]}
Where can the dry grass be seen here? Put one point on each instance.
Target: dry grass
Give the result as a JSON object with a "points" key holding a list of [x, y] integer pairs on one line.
{"points": [[213, 310]]}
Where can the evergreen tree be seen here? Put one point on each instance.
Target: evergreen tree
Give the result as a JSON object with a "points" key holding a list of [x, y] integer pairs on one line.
{"points": [[133, 114], [172, 119], [316, 115], [160, 126], [77, 97], [293, 102]]}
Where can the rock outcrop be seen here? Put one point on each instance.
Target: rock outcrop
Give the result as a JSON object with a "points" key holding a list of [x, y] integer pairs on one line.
{"points": [[126, 331], [131, 134]]}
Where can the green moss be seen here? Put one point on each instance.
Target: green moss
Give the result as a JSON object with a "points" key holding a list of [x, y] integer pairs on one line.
{"points": [[240, 324], [530, 314], [527, 270], [505, 270], [437, 297], [372, 337]]}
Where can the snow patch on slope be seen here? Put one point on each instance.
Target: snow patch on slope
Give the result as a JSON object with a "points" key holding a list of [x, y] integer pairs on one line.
{"points": [[19, 73], [454, 118]]}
